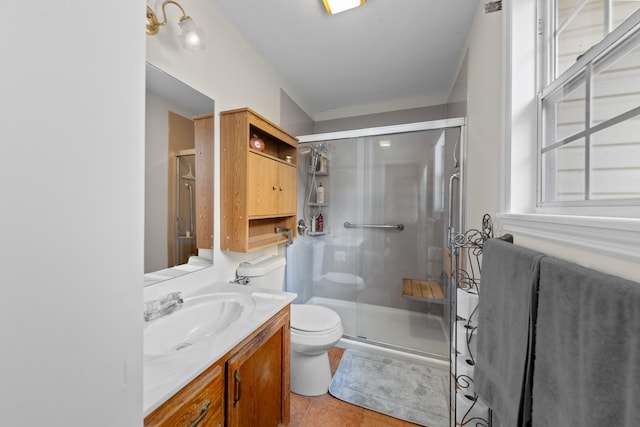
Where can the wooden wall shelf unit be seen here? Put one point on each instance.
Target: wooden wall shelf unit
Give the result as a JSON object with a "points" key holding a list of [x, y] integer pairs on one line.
{"points": [[204, 177], [258, 188]]}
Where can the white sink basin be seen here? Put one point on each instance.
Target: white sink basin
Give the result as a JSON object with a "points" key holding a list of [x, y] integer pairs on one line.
{"points": [[198, 319]]}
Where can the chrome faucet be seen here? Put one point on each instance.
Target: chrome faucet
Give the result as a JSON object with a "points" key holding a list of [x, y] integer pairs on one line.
{"points": [[286, 232], [240, 280], [162, 306]]}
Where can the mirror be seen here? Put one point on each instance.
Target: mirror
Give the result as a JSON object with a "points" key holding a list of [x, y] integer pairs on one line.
{"points": [[178, 178]]}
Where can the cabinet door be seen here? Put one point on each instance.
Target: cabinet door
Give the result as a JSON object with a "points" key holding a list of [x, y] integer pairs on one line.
{"points": [[204, 180], [200, 403], [258, 378], [287, 191], [262, 186]]}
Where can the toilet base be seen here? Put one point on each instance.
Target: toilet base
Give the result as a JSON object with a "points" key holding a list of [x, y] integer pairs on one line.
{"points": [[310, 375]]}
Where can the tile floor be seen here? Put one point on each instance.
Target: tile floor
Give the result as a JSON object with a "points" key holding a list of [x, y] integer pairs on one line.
{"points": [[327, 411]]}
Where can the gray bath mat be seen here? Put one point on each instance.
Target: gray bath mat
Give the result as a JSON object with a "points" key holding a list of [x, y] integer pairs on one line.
{"points": [[397, 388]]}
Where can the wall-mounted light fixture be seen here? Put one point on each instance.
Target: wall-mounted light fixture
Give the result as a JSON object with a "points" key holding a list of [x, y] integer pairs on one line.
{"points": [[192, 37], [337, 6]]}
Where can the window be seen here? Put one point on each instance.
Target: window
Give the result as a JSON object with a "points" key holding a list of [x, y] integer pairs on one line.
{"points": [[589, 103]]}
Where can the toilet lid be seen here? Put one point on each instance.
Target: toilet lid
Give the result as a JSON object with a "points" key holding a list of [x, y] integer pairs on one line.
{"points": [[313, 318]]}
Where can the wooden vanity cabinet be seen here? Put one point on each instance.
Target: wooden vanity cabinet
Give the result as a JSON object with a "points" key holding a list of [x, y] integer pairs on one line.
{"points": [[258, 188], [248, 386], [258, 382], [200, 403]]}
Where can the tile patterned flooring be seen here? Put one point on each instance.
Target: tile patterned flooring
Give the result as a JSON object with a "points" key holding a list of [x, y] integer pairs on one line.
{"points": [[327, 411]]}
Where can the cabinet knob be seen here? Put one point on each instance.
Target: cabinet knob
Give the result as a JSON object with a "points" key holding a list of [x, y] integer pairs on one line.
{"points": [[281, 188], [274, 188]]}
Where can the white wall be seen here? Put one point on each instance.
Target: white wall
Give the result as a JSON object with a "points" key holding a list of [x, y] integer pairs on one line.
{"points": [[484, 110], [71, 223], [156, 178]]}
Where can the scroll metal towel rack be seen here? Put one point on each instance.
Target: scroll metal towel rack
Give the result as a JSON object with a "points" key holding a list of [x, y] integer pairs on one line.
{"points": [[399, 227], [470, 244]]}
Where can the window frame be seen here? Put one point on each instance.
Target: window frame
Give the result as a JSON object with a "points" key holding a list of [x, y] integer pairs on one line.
{"points": [[601, 237], [546, 46]]}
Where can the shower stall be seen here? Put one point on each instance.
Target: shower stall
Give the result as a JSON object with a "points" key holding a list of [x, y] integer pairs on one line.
{"points": [[185, 224], [373, 244]]}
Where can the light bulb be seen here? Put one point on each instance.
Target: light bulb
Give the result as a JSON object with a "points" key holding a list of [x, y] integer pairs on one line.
{"points": [[337, 6], [192, 38]]}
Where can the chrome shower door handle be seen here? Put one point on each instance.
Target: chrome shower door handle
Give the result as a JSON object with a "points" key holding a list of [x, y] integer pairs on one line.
{"points": [[454, 177]]}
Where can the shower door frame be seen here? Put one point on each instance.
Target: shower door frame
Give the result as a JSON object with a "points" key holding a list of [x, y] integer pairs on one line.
{"points": [[458, 175]]}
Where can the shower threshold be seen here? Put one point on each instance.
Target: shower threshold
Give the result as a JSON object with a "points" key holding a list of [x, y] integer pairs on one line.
{"points": [[396, 348], [432, 360], [417, 333]]}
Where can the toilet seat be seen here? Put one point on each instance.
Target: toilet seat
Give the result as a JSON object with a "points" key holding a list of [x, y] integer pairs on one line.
{"points": [[318, 335], [310, 318]]}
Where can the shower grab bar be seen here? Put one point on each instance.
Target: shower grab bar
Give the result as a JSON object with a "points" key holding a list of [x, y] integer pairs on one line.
{"points": [[399, 227]]}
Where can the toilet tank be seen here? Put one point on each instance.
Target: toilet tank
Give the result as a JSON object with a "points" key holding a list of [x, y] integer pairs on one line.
{"points": [[264, 272]]}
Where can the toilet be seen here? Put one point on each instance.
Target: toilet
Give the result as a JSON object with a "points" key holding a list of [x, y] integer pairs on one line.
{"points": [[314, 328]]}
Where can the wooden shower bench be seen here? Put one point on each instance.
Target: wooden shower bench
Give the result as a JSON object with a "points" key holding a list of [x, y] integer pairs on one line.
{"points": [[422, 289]]}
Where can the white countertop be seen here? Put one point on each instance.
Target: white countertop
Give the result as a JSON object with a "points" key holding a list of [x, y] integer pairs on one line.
{"points": [[164, 375]]}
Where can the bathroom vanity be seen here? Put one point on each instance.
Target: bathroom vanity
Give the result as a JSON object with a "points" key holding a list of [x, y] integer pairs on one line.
{"points": [[241, 376]]}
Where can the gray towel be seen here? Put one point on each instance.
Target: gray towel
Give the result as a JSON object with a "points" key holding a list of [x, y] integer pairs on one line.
{"points": [[506, 314], [587, 350]]}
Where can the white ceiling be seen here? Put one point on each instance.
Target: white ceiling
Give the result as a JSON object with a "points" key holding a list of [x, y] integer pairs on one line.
{"points": [[385, 50]]}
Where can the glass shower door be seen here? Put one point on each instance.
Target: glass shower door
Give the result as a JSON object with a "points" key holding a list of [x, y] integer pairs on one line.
{"points": [[390, 220]]}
